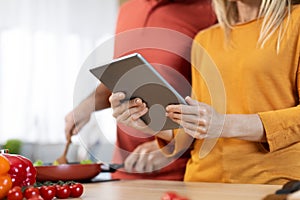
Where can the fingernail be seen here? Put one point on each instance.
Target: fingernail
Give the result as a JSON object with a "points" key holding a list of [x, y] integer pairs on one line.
{"points": [[137, 101]]}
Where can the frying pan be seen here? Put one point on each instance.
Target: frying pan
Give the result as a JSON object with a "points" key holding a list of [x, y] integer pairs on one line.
{"points": [[73, 171]]}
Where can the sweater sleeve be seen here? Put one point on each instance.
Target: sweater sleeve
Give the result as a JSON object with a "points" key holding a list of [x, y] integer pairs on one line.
{"points": [[282, 127]]}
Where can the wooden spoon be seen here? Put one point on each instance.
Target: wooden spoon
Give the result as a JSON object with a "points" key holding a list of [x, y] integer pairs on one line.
{"points": [[63, 158]]}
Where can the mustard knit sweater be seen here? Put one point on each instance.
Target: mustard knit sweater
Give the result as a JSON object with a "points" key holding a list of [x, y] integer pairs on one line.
{"points": [[247, 79]]}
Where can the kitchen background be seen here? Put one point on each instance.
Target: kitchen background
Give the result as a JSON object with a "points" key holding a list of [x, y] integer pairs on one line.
{"points": [[43, 50]]}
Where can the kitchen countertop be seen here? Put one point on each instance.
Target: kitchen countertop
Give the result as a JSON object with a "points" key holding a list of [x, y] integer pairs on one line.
{"points": [[151, 189]]}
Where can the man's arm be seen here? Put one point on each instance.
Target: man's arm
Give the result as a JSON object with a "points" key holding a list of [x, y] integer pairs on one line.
{"points": [[80, 115]]}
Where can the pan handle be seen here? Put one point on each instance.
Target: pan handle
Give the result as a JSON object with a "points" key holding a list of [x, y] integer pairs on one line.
{"points": [[111, 167]]}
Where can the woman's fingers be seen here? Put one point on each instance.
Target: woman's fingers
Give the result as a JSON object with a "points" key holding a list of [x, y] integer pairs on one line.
{"points": [[197, 110], [191, 101], [196, 118], [193, 129], [182, 109]]}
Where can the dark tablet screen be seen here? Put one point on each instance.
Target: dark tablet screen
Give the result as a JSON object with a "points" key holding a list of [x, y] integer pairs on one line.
{"points": [[134, 76]]}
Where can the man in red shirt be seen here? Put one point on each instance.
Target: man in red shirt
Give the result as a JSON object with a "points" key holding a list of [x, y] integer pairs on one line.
{"points": [[162, 31]]}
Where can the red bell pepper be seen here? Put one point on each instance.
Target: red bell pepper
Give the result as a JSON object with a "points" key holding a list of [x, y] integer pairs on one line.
{"points": [[22, 171], [5, 179]]}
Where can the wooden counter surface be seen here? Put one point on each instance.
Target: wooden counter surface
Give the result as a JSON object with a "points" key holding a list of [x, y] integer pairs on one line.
{"points": [[152, 190]]}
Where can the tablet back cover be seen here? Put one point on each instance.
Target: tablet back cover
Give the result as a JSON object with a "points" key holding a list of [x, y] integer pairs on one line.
{"points": [[134, 76]]}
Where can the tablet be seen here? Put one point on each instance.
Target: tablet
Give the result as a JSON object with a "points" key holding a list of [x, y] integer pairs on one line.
{"points": [[134, 76]]}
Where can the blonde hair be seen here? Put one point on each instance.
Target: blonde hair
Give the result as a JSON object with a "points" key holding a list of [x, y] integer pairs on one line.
{"points": [[273, 11]]}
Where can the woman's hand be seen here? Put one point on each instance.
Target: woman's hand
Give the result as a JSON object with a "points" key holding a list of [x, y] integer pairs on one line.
{"points": [[128, 112], [197, 119]]}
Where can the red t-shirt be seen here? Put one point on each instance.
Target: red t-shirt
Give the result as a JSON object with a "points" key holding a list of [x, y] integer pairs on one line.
{"points": [[162, 31]]}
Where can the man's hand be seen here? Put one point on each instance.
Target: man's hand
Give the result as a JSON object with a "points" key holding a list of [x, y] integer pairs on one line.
{"points": [[72, 125], [128, 112], [146, 158], [78, 117]]}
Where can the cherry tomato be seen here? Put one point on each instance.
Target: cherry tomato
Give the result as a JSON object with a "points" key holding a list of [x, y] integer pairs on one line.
{"points": [[15, 193], [62, 191], [173, 196], [31, 192], [48, 192], [36, 198], [169, 196], [180, 198], [76, 190]]}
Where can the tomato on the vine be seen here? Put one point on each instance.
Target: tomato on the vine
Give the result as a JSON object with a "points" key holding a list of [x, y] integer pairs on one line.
{"points": [[48, 192], [62, 191], [31, 192], [15, 193], [36, 198], [76, 190]]}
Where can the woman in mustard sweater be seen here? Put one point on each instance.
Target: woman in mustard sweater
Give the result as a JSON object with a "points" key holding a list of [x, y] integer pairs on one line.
{"points": [[243, 120]]}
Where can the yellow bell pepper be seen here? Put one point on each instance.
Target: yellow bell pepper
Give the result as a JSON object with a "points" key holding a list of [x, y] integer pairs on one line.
{"points": [[5, 179]]}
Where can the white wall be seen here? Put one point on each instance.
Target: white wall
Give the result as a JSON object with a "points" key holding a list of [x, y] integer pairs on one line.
{"points": [[44, 46]]}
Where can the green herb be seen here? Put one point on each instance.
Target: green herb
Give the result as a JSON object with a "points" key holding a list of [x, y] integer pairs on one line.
{"points": [[38, 163], [86, 162]]}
